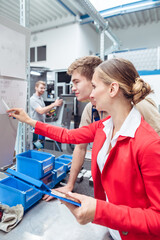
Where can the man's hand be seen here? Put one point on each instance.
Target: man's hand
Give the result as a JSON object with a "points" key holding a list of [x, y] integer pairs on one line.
{"points": [[21, 115], [58, 102], [64, 189]]}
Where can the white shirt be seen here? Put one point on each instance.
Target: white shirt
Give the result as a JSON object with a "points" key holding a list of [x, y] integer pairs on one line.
{"points": [[128, 129]]}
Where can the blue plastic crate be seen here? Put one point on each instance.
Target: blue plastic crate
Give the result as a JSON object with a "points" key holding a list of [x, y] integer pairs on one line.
{"points": [[13, 192], [35, 164], [66, 159], [60, 172], [65, 156]]}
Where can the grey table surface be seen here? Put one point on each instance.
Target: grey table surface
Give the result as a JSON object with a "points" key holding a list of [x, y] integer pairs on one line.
{"points": [[53, 220]]}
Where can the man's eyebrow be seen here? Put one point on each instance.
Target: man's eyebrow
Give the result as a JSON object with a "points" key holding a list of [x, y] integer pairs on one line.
{"points": [[75, 79]]}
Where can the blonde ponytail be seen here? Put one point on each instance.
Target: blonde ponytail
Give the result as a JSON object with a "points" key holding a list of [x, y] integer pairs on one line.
{"points": [[140, 90]]}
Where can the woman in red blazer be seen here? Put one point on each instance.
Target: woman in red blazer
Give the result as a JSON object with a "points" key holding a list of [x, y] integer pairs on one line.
{"points": [[125, 156]]}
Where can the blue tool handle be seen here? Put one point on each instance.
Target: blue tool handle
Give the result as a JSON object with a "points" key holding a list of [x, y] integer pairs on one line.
{"points": [[25, 178], [61, 198], [39, 186]]}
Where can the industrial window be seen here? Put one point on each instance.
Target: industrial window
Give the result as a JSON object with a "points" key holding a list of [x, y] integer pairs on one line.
{"points": [[32, 54], [41, 53], [38, 54]]}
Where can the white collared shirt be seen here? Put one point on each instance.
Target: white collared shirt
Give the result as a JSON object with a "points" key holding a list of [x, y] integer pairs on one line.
{"points": [[127, 129]]}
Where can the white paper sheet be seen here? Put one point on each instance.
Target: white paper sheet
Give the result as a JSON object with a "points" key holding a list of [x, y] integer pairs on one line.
{"points": [[13, 92]]}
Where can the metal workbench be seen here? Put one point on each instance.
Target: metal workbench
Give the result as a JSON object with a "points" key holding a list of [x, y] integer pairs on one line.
{"points": [[53, 221]]}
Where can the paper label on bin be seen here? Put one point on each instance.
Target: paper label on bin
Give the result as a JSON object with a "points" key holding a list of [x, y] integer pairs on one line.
{"points": [[60, 171], [47, 169]]}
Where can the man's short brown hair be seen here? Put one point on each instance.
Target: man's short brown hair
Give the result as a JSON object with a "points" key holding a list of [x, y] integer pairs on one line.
{"points": [[85, 66], [40, 82]]}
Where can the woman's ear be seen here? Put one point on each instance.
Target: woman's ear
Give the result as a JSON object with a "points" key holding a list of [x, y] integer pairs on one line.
{"points": [[114, 87]]}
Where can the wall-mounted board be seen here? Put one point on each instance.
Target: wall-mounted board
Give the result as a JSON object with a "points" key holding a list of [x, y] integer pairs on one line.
{"points": [[14, 48]]}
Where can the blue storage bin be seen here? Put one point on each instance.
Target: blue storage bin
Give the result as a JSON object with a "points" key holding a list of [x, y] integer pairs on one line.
{"points": [[67, 163], [35, 164], [66, 159], [65, 156], [60, 171], [13, 192]]}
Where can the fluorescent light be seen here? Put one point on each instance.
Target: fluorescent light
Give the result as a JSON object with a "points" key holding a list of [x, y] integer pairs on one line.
{"points": [[35, 73]]}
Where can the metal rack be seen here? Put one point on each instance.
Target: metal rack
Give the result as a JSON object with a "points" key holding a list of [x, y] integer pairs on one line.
{"points": [[23, 135]]}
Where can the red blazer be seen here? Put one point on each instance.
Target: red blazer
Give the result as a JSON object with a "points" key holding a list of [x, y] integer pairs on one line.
{"points": [[130, 178]]}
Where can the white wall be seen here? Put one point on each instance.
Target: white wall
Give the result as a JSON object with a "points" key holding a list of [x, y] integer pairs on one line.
{"points": [[139, 37], [87, 41], [65, 44], [154, 81]]}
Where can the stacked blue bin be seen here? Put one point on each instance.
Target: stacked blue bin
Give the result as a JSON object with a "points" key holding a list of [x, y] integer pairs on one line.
{"points": [[66, 160], [34, 164], [15, 191], [38, 165]]}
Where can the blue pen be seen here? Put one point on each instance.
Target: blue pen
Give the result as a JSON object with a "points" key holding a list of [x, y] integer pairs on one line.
{"points": [[6, 106]]}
